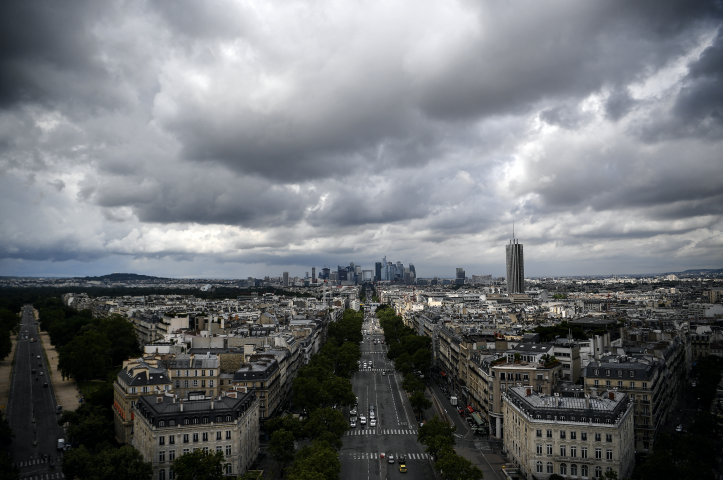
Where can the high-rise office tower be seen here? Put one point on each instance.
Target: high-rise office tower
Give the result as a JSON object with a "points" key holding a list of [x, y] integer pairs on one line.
{"points": [[378, 270], [413, 270], [313, 274], [286, 279], [515, 267], [460, 273]]}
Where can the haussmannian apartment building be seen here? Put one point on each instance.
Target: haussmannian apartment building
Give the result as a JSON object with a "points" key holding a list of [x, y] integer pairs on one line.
{"points": [[167, 427], [576, 437]]}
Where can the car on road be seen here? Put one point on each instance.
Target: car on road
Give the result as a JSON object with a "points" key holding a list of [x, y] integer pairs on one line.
{"points": [[352, 424], [679, 428], [402, 465], [32, 371], [45, 385], [352, 412], [384, 374], [390, 458], [373, 422], [41, 373], [363, 420], [61, 444], [38, 356]]}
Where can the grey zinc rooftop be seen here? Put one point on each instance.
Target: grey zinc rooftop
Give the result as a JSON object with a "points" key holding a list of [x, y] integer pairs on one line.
{"points": [[548, 402]]}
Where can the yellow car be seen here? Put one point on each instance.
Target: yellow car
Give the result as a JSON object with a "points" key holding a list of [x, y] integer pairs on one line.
{"points": [[402, 465]]}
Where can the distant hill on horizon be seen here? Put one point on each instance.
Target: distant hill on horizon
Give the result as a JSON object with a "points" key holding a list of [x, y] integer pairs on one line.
{"points": [[123, 277]]}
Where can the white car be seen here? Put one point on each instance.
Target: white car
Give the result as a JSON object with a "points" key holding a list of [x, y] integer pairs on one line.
{"points": [[373, 422], [384, 374], [363, 420], [352, 424], [352, 411]]}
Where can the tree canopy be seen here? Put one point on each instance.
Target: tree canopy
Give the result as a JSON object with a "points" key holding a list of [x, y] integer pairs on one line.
{"points": [[124, 463], [199, 465]]}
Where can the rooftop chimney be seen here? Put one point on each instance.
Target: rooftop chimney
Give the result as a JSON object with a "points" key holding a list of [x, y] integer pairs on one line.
{"points": [[528, 391], [611, 395]]}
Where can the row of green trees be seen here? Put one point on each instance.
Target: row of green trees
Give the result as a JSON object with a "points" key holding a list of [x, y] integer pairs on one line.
{"points": [[9, 323], [438, 437], [319, 387], [410, 352], [88, 348]]}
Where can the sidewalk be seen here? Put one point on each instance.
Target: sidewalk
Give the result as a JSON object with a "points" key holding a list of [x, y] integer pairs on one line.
{"points": [[66, 391]]}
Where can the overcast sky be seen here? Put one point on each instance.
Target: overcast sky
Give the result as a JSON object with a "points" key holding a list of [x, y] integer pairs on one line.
{"points": [[243, 138]]}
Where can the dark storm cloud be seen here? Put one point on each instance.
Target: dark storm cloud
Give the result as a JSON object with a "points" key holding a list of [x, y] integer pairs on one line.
{"points": [[251, 132]]}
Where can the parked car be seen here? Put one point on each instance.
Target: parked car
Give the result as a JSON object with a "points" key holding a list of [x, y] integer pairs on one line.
{"points": [[402, 465], [352, 424], [352, 411], [373, 422], [363, 420], [61, 444], [390, 458]]}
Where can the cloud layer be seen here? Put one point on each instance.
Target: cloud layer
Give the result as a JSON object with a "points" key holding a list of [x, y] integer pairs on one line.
{"points": [[235, 138]]}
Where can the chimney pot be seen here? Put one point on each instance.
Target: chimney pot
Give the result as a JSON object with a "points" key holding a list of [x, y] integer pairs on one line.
{"points": [[611, 395]]}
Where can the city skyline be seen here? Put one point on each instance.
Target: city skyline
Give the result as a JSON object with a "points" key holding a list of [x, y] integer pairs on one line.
{"points": [[258, 137]]}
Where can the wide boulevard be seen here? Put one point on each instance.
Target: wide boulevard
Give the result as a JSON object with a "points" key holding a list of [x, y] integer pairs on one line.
{"points": [[396, 430], [31, 410]]}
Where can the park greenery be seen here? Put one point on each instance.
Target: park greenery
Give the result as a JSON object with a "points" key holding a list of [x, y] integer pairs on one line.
{"points": [[9, 323], [8, 471], [320, 389]]}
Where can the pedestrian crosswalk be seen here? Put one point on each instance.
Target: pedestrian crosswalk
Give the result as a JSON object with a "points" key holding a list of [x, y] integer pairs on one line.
{"points": [[35, 461], [377, 455], [381, 431], [42, 476], [362, 369]]}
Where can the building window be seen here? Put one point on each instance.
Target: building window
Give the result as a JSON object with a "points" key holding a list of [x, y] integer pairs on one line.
{"points": [[598, 453], [161, 456], [178, 384], [229, 469], [195, 383], [178, 373], [205, 449], [171, 439], [195, 420], [171, 455], [228, 450], [620, 373], [645, 384], [203, 383], [161, 423], [195, 437], [597, 372], [185, 438], [620, 383], [205, 436], [539, 433], [195, 373], [219, 448], [539, 467], [549, 467], [562, 432], [161, 440], [171, 474], [583, 452], [607, 383], [549, 434], [563, 450], [210, 383], [218, 435], [162, 474], [563, 469], [583, 470], [171, 423], [210, 373], [228, 434], [573, 451], [187, 373], [185, 451], [549, 449], [539, 449], [573, 434], [597, 383], [203, 373], [609, 454], [185, 384], [632, 384], [228, 418], [632, 374], [598, 472], [583, 436], [607, 373], [573, 470], [598, 437], [609, 437], [204, 420]]}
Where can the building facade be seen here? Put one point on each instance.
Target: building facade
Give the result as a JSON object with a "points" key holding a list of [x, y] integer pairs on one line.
{"points": [[139, 376], [578, 437], [515, 267], [167, 427]]}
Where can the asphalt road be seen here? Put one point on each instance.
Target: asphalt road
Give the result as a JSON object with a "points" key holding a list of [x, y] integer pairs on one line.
{"points": [[396, 430], [31, 408]]}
